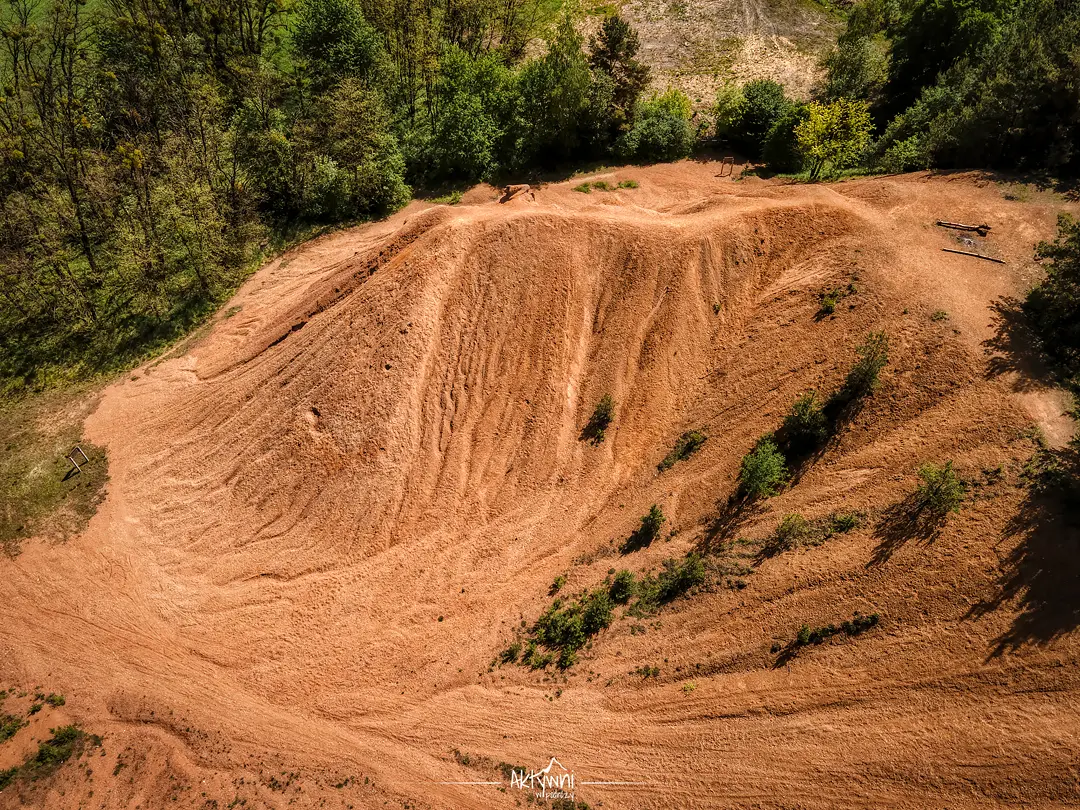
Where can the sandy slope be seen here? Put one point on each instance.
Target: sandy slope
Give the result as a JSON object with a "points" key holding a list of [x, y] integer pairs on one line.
{"points": [[326, 518]]}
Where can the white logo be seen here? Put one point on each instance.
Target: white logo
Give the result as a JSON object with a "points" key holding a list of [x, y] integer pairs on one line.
{"points": [[551, 782]]}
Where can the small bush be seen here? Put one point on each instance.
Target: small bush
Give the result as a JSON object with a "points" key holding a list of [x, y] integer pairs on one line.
{"points": [[763, 471], [674, 579], [623, 587], [64, 743], [857, 625], [845, 521], [9, 726], [511, 653], [661, 129], [941, 490], [648, 531], [805, 427], [792, 529], [564, 628], [863, 378], [687, 444], [904, 156], [595, 429]]}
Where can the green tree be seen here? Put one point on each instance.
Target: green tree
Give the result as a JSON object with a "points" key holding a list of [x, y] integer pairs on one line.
{"points": [[1053, 306], [763, 103], [612, 52], [833, 134], [763, 471], [335, 41], [661, 129], [781, 152], [554, 95], [941, 491]]}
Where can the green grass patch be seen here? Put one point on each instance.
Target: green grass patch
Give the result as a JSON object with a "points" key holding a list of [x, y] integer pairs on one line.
{"points": [[64, 743], [686, 445], [856, 626], [453, 198], [40, 491], [9, 726]]}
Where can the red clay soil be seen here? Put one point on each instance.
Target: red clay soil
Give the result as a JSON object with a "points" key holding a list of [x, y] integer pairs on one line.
{"points": [[327, 517]]}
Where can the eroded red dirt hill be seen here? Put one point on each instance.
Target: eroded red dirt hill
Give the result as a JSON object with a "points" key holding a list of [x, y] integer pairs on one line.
{"points": [[328, 515]]}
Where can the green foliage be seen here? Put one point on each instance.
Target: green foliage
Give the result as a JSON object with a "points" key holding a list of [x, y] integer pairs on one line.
{"points": [[974, 82], [564, 628], [791, 530], [661, 129], [1053, 306], [903, 156], [9, 726], [674, 579], [685, 446], [781, 152], [805, 427], [941, 491], [65, 742], [857, 625], [648, 531], [794, 530], [334, 41], [612, 52], [595, 429], [763, 471], [554, 95], [623, 587], [845, 521], [763, 103], [862, 380], [477, 99], [511, 653], [833, 134], [727, 110]]}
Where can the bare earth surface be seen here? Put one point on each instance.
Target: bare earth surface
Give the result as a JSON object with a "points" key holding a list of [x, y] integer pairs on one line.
{"points": [[697, 45], [326, 518]]}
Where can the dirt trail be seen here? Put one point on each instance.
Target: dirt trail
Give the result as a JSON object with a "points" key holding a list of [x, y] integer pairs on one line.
{"points": [[327, 518]]}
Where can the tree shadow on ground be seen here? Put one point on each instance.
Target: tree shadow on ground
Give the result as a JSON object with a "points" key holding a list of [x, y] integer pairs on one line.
{"points": [[1014, 348], [1042, 572], [732, 515], [903, 522], [641, 538]]}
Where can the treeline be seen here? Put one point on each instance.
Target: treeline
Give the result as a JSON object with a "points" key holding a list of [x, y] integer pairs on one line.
{"points": [[151, 149], [942, 83]]}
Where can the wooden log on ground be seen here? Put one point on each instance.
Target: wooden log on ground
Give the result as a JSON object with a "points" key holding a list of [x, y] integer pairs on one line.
{"points": [[976, 255]]}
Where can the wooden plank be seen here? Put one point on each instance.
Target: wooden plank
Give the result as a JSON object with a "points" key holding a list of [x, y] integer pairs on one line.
{"points": [[976, 255]]}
